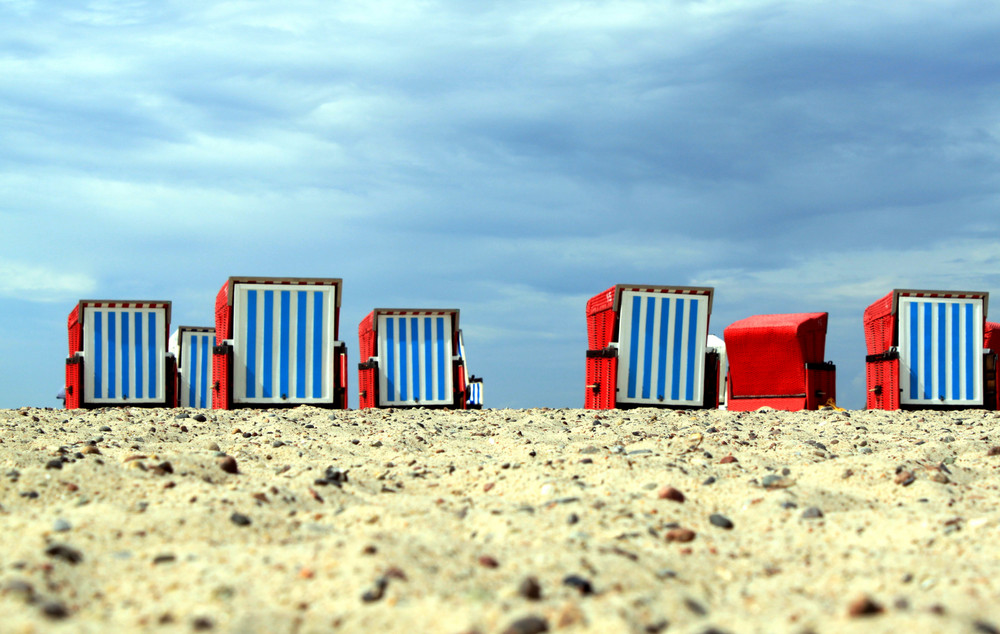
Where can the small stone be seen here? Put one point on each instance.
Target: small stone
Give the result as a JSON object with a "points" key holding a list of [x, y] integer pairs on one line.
{"points": [[55, 610], [993, 451], [682, 535], [64, 552], [488, 562], [573, 518], [986, 628], [728, 459], [228, 464], [709, 480], [211, 445], [670, 493], [720, 520], [813, 512], [202, 623], [773, 481], [905, 478], [240, 519], [864, 606], [61, 526], [201, 418], [582, 585], [376, 592], [90, 449], [695, 607], [530, 589], [54, 464], [164, 558], [104, 428], [527, 625], [277, 443]]}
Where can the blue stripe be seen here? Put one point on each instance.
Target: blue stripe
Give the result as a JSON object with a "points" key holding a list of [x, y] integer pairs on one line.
{"points": [[647, 353], [633, 351], [440, 355], [251, 344], [402, 359], [98, 354], [970, 382], [138, 355], [112, 342], [390, 359], [300, 347], [928, 366], [942, 346], [204, 370], [317, 344], [661, 374], [675, 387], [692, 346], [415, 355], [192, 362], [286, 297], [956, 368], [151, 356], [914, 348], [267, 372], [126, 344], [428, 360]]}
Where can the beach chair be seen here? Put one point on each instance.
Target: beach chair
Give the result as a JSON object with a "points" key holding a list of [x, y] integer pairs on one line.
{"points": [[411, 359], [277, 344], [474, 384], [648, 346], [192, 349], [777, 361], [717, 345], [118, 355], [926, 351]]}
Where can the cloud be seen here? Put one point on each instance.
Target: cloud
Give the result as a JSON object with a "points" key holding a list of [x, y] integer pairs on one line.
{"points": [[40, 284]]}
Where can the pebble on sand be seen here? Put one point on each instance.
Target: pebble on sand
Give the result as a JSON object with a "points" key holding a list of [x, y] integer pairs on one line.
{"points": [[864, 606], [527, 625], [228, 464], [720, 520], [670, 493]]}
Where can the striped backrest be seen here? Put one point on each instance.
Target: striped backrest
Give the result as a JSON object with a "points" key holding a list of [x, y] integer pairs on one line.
{"points": [[124, 347], [662, 339], [415, 357], [283, 342], [941, 349], [475, 394], [193, 349]]}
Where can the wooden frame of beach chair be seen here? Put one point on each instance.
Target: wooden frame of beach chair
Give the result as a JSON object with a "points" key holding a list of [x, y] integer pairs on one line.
{"points": [[474, 384], [928, 350], [118, 355], [648, 347], [411, 359], [192, 348], [277, 343], [777, 361]]}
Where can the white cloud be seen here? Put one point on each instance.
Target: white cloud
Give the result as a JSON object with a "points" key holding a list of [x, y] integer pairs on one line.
{"points": [[41, 284]]}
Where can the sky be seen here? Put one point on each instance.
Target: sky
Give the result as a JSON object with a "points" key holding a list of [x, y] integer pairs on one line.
{"points": [[509, 159]]}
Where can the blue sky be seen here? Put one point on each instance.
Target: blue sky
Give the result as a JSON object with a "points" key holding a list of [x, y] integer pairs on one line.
{"points": [[509, 159]]}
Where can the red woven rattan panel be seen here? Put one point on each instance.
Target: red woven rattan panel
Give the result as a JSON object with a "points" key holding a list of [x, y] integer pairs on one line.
{"points": [[366, 337], [75, 331], [767, 353], [367, 387], [788, 404], [821, 386], [600, 319], [882, 384], [74, 384], [221, 372], [880, 325], [602, 373], [223, 316], [991, 336]]}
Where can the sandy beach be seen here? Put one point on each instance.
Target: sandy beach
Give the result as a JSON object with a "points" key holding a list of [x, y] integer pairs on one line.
{"points": [[307, 520]]}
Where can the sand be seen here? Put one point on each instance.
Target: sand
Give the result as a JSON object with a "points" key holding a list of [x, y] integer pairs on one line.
{"points": [[121, 520]]}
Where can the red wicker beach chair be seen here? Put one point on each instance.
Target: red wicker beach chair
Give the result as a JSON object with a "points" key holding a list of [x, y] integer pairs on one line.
{"points": [[930, 350], [777, 361], [118, 355], [648, 348], [277, 344], [413, 358]]}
